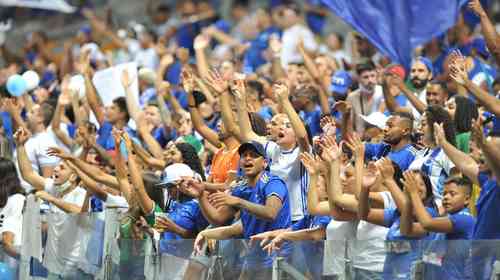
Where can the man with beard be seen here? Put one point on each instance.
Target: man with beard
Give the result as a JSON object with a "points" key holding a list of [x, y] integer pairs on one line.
{"points": [[397, 144], [427, 92], [367, 98]]}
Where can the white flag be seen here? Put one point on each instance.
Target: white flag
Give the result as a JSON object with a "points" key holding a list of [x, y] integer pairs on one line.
{"points": [[56, 5]]}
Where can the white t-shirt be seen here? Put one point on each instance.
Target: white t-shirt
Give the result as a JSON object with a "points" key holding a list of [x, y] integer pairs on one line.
{"points": [[369, 248], [115, 201], [435, 164], [337, 234], [287, 165], [62, 252], [11, 217], [422, 96], [147, 58], [290, 39], [36, 148]]}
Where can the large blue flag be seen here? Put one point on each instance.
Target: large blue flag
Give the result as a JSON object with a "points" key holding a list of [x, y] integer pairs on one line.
{"points": [[396, 27]]}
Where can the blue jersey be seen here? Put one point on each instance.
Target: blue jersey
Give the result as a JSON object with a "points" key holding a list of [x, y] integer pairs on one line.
{"points": [[7, 124], [448, 256], [315, 21], [488, 224], [253, 57], [105, 138], [402, 251], [403, 157], [268, 185], [312, 120], [312, 250], [188, 216]]}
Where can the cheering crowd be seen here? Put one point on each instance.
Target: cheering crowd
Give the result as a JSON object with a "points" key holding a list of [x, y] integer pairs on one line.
{"points": [[262, 128]]}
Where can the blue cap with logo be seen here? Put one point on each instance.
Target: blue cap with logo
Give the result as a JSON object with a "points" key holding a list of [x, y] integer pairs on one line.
{"points": [[341, 82], [252, 145], [426, 61]]}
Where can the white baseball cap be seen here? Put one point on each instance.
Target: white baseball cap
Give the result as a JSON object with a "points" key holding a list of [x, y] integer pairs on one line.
{"points": [[376, 119], [176, 172]]}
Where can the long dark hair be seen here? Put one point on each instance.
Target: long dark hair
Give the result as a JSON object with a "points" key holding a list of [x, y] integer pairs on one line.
{"points": [[190, 158], [435, 114], [429, 198], [154, 192], [465, 112], [9, 181]]}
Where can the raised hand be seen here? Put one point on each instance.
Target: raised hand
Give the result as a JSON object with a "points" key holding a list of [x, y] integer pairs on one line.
{"points": [[343, 107], [201, 42], [58, 152], [310, 163], [239, 90], [356, 146], [439, 136], [330, 150], [163, 89], [128, 142], [410, 182], [477, 132], [21, 136], [125, 79], [386, 169], [275, 44], [281, 91], [476, 7], [188, 80], [370, 175], [85, 67], [216, 82], [191, 187], [166, 60]]}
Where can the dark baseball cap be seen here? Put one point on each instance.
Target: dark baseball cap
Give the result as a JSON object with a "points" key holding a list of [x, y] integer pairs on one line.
{"points": [[254, 146]]}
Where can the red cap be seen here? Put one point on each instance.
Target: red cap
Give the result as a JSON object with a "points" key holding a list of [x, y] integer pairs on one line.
{"points": [[397, 69]]}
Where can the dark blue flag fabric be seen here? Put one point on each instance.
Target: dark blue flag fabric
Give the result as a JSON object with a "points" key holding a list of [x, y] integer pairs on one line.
{"points": [[396, 27]]}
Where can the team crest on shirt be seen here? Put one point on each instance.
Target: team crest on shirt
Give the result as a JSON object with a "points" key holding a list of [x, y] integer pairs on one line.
{"points": [[265, 178]]}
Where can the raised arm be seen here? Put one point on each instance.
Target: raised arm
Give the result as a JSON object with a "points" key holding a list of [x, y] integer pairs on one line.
{"points": [[490, 102], [489, 148], [196, 118], [365, 211], [201, 43], [147, 204], [62, 101], [215, 216], [247, 133], [314, 205], [92, 97], [408, 226], [332, 155], [144, 130], [93, 171], [412, 97], [132, 102], [276, 68], [488, 30], [89, 184], [157, 164], [426, 221], [67, 207], [468, 166], [25, 168], [282, 93], [390, 101]]}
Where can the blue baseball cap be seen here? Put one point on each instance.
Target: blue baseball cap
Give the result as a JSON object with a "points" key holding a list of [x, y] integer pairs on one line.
{"points": [[479, 44], [254, 146], [426, 61], [341, 82]]}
